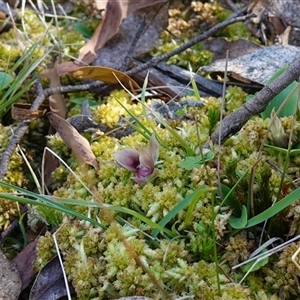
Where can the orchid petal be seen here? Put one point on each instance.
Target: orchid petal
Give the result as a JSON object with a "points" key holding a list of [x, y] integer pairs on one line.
{"points": [[139, 179], [146, 166], [143, 179], [141, 162], [154, 148], [128, 159]]}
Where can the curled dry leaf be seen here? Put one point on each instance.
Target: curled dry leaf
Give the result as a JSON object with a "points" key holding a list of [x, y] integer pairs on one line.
{"points": [[56, 101], [63, 68], [283, 9], [115, 12], [49, 283], [22, 111], [107, 75], [146, 23], [277, 16], [79, 144]]}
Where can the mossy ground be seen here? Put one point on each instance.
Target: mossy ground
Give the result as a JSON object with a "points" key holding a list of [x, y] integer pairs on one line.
{"points": [[101, 263]]}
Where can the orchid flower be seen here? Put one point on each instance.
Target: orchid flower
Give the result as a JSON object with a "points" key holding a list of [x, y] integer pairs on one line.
{"points": [[141, 162]]}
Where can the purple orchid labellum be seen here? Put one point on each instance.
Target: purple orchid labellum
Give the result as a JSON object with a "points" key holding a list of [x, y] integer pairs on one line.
{"points": [[141, 162]]}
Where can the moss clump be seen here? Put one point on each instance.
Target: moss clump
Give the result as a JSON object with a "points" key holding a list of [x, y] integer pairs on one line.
{"points": [[282, 274], [235, 97], [238, 249], [185, 22], [99, 265], [8, 211], [45, 249], [111, 112]]}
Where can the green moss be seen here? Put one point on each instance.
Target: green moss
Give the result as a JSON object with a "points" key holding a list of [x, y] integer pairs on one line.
{"points": [[92, 255], [186, 22], [282, 274], [8, 211], [235, 97], [45, 250], [111, 112]]}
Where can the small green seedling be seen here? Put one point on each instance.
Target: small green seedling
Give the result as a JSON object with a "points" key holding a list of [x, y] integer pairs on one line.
{"points": [[191, 162]]}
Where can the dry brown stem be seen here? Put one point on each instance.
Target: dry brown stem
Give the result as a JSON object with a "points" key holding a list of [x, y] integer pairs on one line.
{"points": [[235, 121]]}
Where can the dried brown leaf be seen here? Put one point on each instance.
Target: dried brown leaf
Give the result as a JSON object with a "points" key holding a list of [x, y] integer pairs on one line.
{"points": [[49, 283], [79, 144], [283, 9], [63, 68], [219, 46], [277, 15], [22, 111], [114, 54], [115, 12], [107, 75], [56, 100], [24, 262], [51, 162]]}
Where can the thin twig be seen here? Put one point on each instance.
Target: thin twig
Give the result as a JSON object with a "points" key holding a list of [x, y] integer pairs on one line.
{"points": [[236, 120], [136, 38], [155, 60], [231, 5], [248, 24]]}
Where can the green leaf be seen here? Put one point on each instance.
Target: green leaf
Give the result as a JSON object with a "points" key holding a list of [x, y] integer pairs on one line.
{"points": [[182, 205], [92, 103], [241, 222], [44, 202], [5, 80], [292, 152], [191, 162], [82, 29], [275, 209], [256, 264], [181, 112], [231, 200], [290, 92]]}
